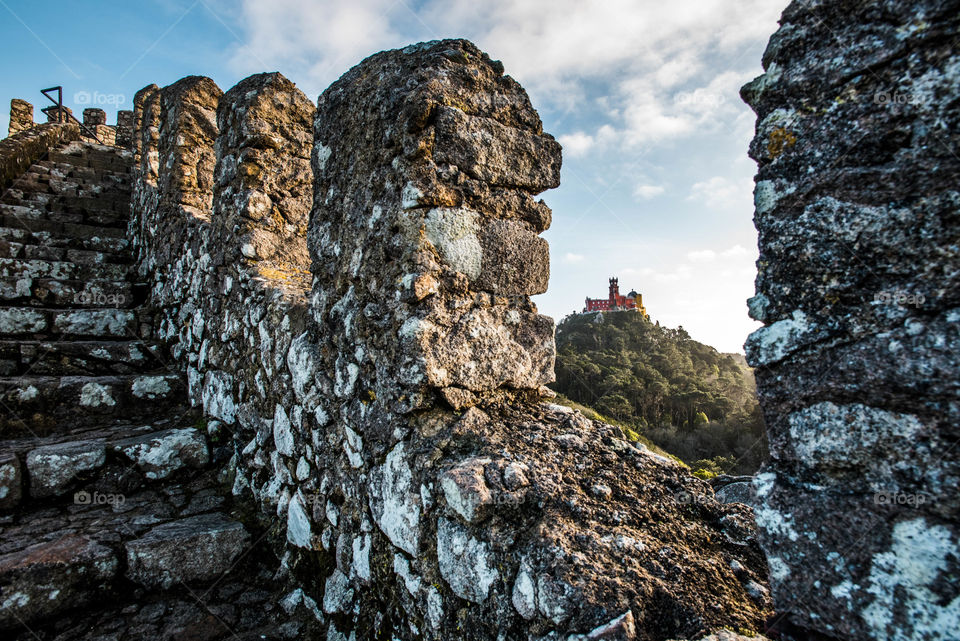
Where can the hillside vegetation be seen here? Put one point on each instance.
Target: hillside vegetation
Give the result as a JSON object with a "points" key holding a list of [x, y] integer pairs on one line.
{"points": [[688, 398]]}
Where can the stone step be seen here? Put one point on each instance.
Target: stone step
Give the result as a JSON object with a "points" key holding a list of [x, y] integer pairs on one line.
{"points": [[40, 323], [79, 358], [29, 213], [30, 189], [25, 251], [46, 169], [104, 244], [102, 559], [250, 605], [40, 577], [107, 159], [106, 201], [42, 405], [36, 224], [20, 268], [39, 207], [46, 292], [42, 468], [61, 175]]}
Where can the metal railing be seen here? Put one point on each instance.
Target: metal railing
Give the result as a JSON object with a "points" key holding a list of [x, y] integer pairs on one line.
{"points": [[63, 115]]}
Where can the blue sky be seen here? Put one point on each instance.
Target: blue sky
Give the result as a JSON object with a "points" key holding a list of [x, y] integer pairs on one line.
{"points": [[656, 184]]}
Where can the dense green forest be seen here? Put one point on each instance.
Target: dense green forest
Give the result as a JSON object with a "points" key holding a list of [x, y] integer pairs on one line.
{"points": [[694, 402]]}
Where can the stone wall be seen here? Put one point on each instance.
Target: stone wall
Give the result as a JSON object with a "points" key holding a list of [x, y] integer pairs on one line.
{"points": [[264, 180], [859, 288], [54, 115], [124, 136], [21, 116], [145, 124], [95, 120], [389, 419], [19, 151], [93, 116], [146, 163]]}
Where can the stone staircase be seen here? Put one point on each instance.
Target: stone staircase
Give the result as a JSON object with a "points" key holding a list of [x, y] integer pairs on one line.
{"points": [[114, 523]]}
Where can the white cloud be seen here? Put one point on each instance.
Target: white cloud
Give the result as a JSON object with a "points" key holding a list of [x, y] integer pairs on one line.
{"points": [[721, 193], [648, 191], [576, 144], [701, 256], [736, 250], [630, 271], [710, 255], [646, 52], [315, 41], [571, 258], [682, 272]]}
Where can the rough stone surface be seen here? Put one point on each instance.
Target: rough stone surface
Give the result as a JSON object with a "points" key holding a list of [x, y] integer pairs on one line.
{"points": [[263, 173], [124, 136], [188, 106], [466, 490], [439, 486], [54, 468], [11, 480], [40, 580], [145, 122], [859, 289], [160, 454], [92, 116], [21, 116], [55, 115], [79, 370], [19, 151], [199, 548], [741, 492]]}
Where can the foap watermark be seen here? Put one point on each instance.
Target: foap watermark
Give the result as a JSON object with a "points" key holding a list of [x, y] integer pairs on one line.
{"points": [[97, 99], [900, 498], [901, 98], [901, 298], [99, 298], [98, 498]]}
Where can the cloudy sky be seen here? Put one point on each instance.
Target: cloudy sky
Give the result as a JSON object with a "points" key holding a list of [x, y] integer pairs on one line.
{"points": [[643, 95]]}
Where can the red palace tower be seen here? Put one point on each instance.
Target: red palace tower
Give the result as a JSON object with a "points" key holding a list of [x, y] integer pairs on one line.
{"points": [[616, 302]]}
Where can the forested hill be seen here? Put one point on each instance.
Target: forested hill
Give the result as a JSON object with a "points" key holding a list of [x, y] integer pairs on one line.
{"points": [[687, 397]]}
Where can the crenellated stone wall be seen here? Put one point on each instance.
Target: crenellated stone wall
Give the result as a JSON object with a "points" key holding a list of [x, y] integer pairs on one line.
{"points": [[391, 429], [19, 151], [146, 164], [859, 289], [94, 121]]}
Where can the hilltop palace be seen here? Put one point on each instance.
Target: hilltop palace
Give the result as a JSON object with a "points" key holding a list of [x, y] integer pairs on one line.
{"points": [[615, 302]]}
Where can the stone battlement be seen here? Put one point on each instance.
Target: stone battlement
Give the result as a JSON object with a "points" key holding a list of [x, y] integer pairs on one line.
{"points": [[347, 290], [95, 120]]}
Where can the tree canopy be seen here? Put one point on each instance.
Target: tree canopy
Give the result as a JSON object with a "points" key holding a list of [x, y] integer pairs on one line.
{"points": [[687, 397]]}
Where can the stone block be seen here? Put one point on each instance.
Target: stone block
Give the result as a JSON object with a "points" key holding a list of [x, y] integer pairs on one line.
{"points": [[198, 548]]}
